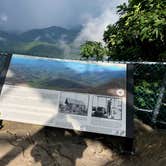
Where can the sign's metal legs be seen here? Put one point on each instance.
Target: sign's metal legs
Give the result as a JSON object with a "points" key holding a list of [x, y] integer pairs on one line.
{"points": [[128, 147], [1, 124]]}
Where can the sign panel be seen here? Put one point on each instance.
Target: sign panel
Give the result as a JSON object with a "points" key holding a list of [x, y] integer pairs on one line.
{"points": [[86, 96]]}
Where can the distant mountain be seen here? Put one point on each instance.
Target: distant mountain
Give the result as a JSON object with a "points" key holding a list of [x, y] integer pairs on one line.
{"points": [[50, 42], [50, 35], [6, 37]]}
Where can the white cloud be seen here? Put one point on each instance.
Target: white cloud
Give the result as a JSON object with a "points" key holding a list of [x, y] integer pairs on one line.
{"points": [[94, 27], [3, 18], [65, 47]]}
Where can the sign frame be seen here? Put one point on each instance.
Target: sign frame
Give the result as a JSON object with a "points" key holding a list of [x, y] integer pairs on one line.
{"points": [[129, 95], [5, 69]]}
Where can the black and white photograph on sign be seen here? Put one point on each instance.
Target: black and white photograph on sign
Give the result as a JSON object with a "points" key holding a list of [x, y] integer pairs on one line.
{"points": [[107, 107], [74, 103]]}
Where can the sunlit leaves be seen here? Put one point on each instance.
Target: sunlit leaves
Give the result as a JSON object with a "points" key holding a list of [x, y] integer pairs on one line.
{"points": [[140, 33], [93, 50]]}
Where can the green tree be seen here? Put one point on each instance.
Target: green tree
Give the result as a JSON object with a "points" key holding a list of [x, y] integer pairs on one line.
{"points": [[93, 50], [139, 34]]}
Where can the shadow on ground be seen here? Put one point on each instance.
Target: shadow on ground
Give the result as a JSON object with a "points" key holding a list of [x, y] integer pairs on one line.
{"points": [[32, 145]]}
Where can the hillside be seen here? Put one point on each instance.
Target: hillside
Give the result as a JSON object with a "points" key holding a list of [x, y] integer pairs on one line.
{"points": [[49, 35], [53, 41]]}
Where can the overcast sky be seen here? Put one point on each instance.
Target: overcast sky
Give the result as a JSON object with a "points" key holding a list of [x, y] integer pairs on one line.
{"points": [[29, 14]]}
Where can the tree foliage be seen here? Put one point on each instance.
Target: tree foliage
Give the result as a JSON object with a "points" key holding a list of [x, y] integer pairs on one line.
{"points": [[93, 50], [139, 34]]}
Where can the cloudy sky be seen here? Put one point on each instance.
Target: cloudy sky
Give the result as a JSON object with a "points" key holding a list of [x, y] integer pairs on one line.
{"points": [[29, 14]]}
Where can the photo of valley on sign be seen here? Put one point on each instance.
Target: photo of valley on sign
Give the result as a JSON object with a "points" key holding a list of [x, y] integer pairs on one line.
{"points": [[61, 75]]}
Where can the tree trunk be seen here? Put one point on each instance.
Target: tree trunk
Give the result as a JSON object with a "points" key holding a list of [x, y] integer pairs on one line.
{"points": [[159, 101]]}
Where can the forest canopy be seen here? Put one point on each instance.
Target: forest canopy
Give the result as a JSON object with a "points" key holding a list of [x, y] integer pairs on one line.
{"points": [[138, 35]]}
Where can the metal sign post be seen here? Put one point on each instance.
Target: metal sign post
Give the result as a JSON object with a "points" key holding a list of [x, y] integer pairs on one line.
{"points": [[4, 64]]}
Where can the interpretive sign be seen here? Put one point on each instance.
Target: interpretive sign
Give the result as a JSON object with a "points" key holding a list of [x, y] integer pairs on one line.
{"points": [[86, 96]]}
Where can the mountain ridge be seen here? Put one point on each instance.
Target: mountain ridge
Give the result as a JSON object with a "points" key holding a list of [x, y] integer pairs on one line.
{"points": [[50, 42]]}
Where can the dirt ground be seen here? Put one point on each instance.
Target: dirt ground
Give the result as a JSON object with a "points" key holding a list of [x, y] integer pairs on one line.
{"points": [[32, 145]]}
